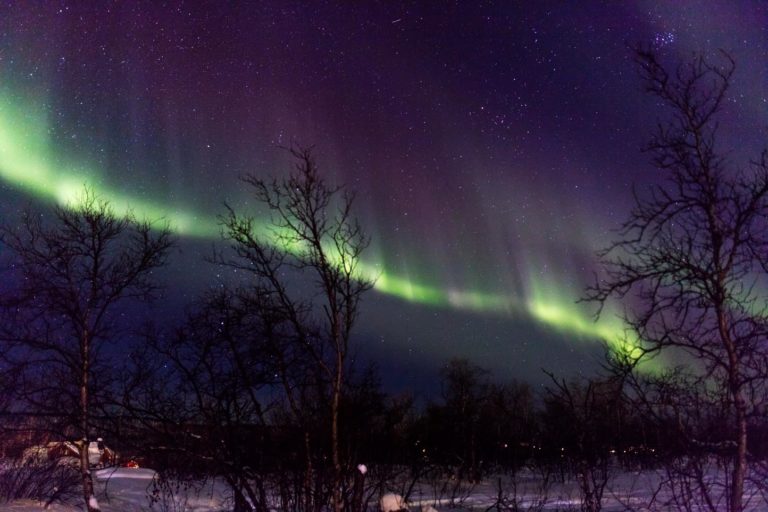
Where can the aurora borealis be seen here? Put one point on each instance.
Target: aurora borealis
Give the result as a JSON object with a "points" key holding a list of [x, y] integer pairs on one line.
{"points": [[492, 147]]}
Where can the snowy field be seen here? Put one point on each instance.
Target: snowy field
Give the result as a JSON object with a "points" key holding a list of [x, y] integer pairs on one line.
{"points": [[134, 490]]}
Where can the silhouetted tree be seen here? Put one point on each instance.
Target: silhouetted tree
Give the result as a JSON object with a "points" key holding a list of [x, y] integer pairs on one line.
{"points": [[465, 388], [582, 423], [507, 426], [203, 398], [311, 232], [691, 259], [71, 270]]}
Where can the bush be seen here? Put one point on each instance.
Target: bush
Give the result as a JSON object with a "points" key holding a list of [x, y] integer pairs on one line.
{"points": [[44, 481], [170, 491]]}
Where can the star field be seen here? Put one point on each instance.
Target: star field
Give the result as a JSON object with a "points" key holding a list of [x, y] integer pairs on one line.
{"points": [[492, 147]]}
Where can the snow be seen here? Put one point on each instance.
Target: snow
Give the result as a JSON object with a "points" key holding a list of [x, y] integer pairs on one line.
{"points": [[133, 490], [135, 473], [391, 502], [29, 506], [93, 502]]}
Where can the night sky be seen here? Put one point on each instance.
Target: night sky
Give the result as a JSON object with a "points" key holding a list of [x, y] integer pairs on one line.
{"points": [[492, 145]]}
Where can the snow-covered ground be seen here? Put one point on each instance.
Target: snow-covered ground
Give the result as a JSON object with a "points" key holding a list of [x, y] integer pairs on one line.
{"points": [[139, 490]]}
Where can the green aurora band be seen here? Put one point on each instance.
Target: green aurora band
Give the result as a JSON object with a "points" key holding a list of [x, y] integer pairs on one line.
{"points": [[28, 163]]}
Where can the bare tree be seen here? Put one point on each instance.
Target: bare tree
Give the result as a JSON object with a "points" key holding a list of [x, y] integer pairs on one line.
{"points": [[585, 419], [465, 391], [691, 259], [312, 232], [70, 271], [205, 399]]}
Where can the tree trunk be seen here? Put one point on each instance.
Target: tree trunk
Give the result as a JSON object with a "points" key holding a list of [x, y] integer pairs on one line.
{"points": [[338, 505], [241, 504], [740, 459], [85, 466], [740, 410], [358, 490], [474, 471], [308, 474], [85, 473], [590, 503]]}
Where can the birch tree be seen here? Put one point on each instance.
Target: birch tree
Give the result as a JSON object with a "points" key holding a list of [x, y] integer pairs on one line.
{"points": [[71, 270]]}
